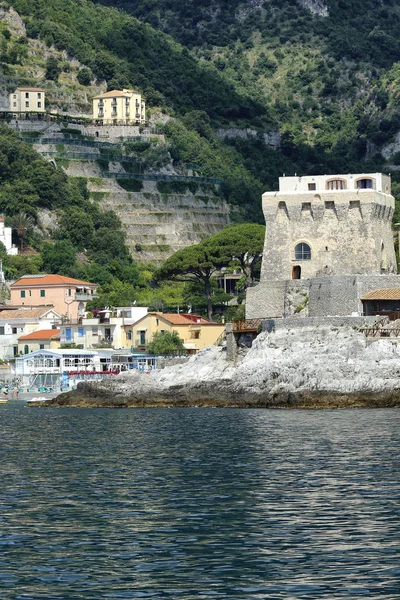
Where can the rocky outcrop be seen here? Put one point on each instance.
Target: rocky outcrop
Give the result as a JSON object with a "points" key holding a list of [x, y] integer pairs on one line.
{"points": [[270, 138], [310, 367], [316, 7]]}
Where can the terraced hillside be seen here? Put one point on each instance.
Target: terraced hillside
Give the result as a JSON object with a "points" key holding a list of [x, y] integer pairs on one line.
{"points": [[162, 210]]}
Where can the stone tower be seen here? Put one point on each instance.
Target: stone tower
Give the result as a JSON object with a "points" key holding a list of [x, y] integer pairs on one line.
{"points": [[322, 230]]}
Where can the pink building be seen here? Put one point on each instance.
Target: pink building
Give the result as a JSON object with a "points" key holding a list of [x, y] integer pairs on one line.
{"points": [[68, 296]]}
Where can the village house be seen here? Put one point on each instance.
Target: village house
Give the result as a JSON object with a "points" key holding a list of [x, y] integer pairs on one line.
{"points": [[102, 328], [42, 339], [119, 107], [68, 296], [6, 238], [27, 100], [15, 323], [195, 331]]}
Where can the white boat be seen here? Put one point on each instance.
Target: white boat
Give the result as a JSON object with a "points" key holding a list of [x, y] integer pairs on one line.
{"points": [[36, 399]]}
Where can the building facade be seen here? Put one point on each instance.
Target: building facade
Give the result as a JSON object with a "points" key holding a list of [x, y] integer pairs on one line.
{"points": [[328, 242], [119, 107], [68, 296], [18, 322], [42, 339], [27, 100], [6, 238], [196, 332]]}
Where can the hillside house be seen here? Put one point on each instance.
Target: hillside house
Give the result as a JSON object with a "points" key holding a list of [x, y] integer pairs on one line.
{"points": [[68, 296], [119, 107], [15, 323], [6, 238], [27, 100], [195, 331]]}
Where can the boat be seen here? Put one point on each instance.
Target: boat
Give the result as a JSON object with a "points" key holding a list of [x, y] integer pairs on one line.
{"points": [[36, 399]]}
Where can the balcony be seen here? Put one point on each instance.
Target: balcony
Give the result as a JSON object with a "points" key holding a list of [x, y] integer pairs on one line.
{"points": [[83, 297]]}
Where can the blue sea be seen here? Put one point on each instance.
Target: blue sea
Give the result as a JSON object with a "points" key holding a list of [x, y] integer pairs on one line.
{"points": [[199, 503]]}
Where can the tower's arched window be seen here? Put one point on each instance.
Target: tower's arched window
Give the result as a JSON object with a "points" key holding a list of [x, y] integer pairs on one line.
{"points": [[365, 184], [336, 184], [302, 251]]}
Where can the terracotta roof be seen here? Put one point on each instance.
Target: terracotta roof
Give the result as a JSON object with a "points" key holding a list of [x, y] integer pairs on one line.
{"points": [[33, 313], [42, 334], [30, 89], [388, 294], [186, 319], [113, 94], [28, 280]]}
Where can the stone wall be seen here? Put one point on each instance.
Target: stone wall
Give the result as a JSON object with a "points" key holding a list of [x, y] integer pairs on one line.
{"points": [[327, 296], [355, 322], [348, 232]]}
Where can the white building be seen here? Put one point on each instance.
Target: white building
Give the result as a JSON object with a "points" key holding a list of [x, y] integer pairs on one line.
{"points": [[57, 368], [6, 238], [15, 323], [27, 100]]}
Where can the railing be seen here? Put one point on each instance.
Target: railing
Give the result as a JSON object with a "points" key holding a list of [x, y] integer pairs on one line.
{"points": [[83, 297], [247, 325], [154, 177]]}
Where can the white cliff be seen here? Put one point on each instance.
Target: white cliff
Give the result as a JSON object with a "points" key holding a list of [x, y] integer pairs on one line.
{"points": [[301, 367]]}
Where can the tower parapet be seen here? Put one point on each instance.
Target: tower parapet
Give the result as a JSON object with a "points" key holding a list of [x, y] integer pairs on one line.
{"points": [[329, 225]]}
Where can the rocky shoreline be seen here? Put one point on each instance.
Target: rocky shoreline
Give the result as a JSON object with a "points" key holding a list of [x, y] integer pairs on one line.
{"points": [[307, 368]]}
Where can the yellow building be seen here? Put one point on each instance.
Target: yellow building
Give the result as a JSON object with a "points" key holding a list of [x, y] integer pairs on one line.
{"points": [[27, 100], [119, 107], [195, 331], [44, 339]]}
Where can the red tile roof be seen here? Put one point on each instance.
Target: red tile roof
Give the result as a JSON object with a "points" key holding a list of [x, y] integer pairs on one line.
{"points": [[113, 94], [24, 314], [385, 294], [41, 280], [42, 334], [30, 89], [186, 319]]}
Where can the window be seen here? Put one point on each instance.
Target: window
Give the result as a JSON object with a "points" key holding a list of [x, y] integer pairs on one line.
{"points": [[68, 334], [27, 104], [39, 95], [42, 293], [15, 349], [302, 252], [41, 347], [14, 104], [157, 322], [22, 293], [195, 335], [129, 334], [2, 330], [14, 330], [142, 335], [312, 187], [26, 349], [69, 292], [39, 105], [15, 96], [336, 184], [81, 332], [26, 94], [365, 184]]}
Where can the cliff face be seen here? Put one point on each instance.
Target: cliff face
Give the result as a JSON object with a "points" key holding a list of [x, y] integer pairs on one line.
{"points": [[315, 367]]}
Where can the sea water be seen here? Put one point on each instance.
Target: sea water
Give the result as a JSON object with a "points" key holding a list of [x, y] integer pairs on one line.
{"points": [[199, 503]]}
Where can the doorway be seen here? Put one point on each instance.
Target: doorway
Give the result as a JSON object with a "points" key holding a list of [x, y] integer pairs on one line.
{"points": [[296, 272]]}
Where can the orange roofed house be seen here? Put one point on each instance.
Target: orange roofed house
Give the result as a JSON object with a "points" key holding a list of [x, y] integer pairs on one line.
{"points": [[195, 331], [68, 296]]}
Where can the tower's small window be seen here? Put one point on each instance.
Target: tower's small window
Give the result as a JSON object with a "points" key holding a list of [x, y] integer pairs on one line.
{"points": [[312, 187], [336, 184], [302, 252], [365, 184]]}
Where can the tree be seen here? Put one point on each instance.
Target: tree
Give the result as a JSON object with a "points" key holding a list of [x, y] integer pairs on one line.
{"points": [[59, 257], [85, 76], [167, 342], [52, 68], [22, 222], [243, 243], [198, 262]]}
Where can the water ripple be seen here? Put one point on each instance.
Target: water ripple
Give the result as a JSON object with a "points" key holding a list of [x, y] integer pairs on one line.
{"points": [[232, 504]]}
